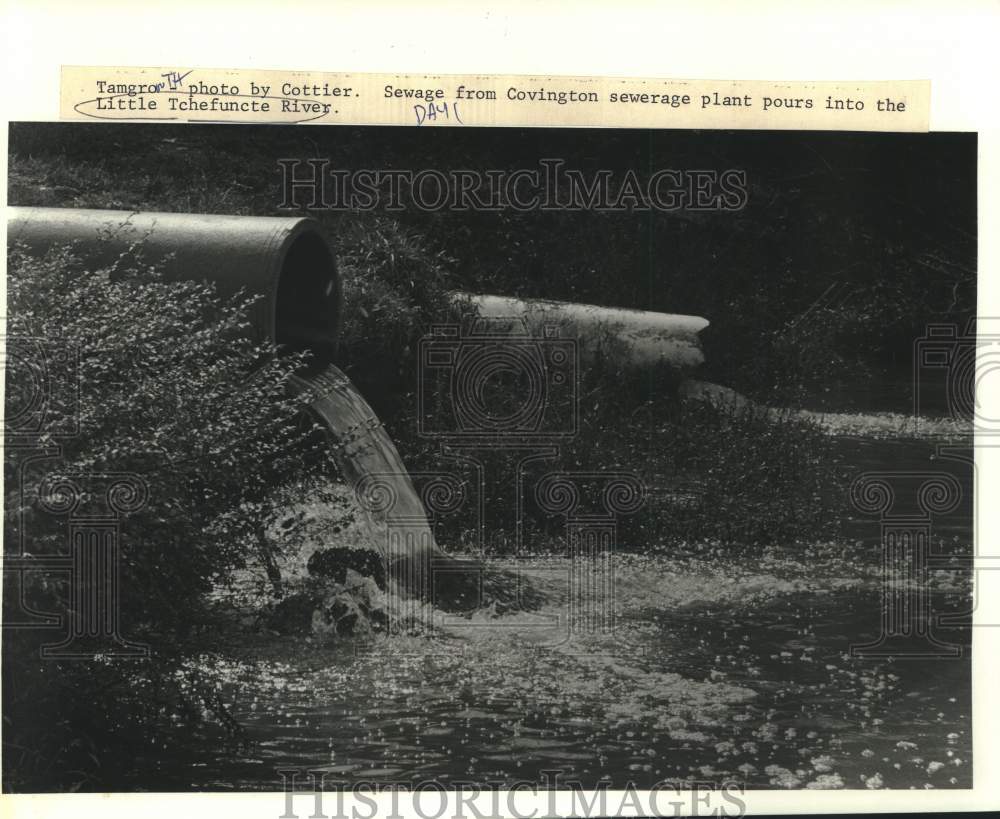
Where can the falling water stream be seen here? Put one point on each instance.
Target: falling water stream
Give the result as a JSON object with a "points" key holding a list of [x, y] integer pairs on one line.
{"points": [[362, 447], [370, 463]]}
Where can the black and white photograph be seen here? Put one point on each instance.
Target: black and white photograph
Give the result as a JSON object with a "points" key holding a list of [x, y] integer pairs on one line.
{"points": [[365, 457]]}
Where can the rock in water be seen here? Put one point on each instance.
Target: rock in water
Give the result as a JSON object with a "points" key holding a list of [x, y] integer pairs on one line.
{"points": [[340, 602], [354, 608], [336, 562], [369, 461], [340, 615], [366, 591]]}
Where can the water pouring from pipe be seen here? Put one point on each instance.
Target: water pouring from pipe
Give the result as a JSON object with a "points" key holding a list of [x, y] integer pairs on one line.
{"points": [[289, 264]]}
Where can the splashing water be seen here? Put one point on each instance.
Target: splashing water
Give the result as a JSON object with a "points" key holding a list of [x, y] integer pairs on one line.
{"points": [[715, 671], [718, 668], [417, 569]]}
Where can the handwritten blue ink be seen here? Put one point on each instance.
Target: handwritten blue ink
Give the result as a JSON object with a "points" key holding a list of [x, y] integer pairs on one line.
{"points": [[175, 78], [432, 112]]}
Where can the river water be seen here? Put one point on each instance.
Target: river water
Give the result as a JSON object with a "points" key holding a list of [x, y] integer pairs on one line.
{"points": [[718, 669]]}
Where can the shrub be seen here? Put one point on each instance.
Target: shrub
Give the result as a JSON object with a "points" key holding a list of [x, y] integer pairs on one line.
{"points": [[395, 288], [173, 388]]}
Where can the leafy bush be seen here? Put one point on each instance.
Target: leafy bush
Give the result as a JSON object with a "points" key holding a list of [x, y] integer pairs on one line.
{"points": [[750, 478], [395, 287], [174, 389], [738, 473]]}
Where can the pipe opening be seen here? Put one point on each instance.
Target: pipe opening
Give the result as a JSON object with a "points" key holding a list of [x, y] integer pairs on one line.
{"points": [[307, 305]]}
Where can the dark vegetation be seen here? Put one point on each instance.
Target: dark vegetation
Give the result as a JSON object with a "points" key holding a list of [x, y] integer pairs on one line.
{"points": [[172, 391], [848, 246]]}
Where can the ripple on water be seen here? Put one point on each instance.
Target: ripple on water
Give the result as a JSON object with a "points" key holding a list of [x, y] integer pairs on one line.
{"points": [[717, 666]]}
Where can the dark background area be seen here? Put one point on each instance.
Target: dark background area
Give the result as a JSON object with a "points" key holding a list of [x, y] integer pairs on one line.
{"points": [[849, 245]]}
